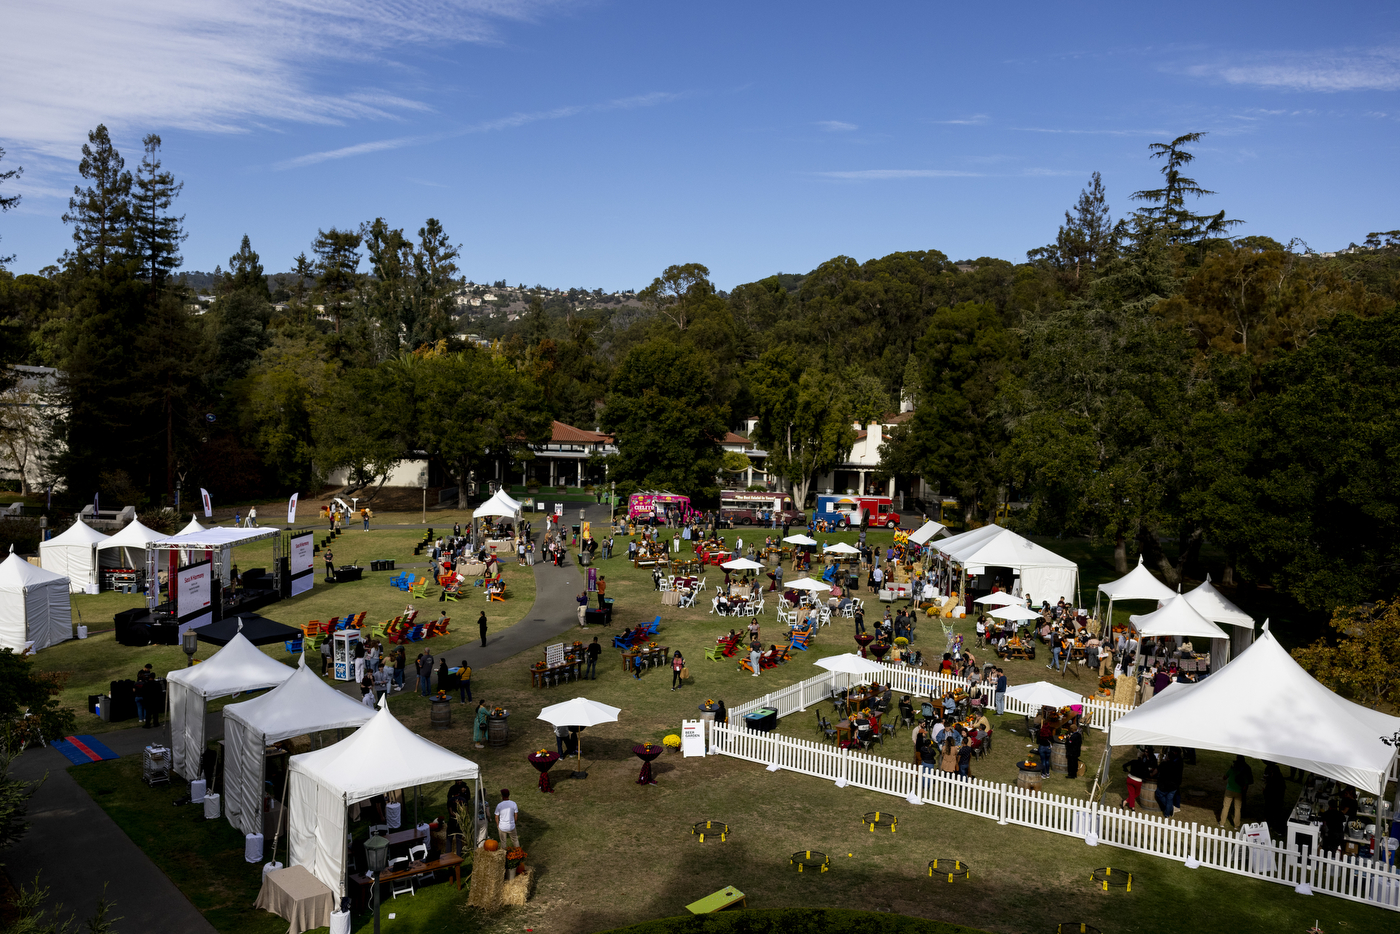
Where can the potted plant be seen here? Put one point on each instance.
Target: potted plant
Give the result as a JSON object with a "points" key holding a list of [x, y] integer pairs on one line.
{"points": [[515, 858]]}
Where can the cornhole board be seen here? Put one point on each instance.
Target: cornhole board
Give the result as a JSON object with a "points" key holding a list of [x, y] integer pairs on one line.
{"points": [[726, 897]]}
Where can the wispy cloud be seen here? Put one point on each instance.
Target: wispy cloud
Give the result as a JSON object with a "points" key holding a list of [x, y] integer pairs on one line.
{"points": [[1376, 69], [974, 120], [836, 126], [884, 174], [1039, 129], [486, 126]]}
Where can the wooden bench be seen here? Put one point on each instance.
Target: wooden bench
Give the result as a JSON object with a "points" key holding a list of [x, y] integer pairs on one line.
{"points": [[726, 897]]}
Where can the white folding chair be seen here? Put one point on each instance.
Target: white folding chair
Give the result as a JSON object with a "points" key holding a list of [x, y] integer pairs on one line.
{"points": [[687, 599], [665, 584], [402, 886]]}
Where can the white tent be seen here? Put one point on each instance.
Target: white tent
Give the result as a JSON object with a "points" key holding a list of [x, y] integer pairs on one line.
{"points": [[127, 548], [194, 526], [1265, 706], [1212, 604], [1176, 617], [34, 606], [1042, 572], [383, 755], [1044, 694], [301, 704], [742, 564], [926, 532], [499, 505], [73, 554], [1000, 598], [841, 548], [800, 539], [237, 667], [218, 540], [1137, 584]]}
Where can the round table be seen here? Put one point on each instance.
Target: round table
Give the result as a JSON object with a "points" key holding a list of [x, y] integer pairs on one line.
{"points": [[543, 761], [879, 649], [646, 752], [863, 639]]}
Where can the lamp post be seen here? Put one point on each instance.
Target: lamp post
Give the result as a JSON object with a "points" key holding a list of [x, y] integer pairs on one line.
{"points": [[423, 482], [376, 857], [189, 641]]}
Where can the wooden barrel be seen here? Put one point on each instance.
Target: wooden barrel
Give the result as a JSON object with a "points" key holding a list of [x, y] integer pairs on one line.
{"points": [[441, 717], [1147, 801], [1059, 762], [1029, 780], [497, 730]]}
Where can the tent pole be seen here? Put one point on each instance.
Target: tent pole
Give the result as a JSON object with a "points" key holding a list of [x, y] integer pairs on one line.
{"points": [[277, 831], [415, 807], [1100, 779]]}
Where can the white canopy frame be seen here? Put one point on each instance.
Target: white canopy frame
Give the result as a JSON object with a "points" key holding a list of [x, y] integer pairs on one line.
{"points": [[127, 548], [219, 541], [994, 546], [1137, 584], [1176, 617], [1213, 605]]}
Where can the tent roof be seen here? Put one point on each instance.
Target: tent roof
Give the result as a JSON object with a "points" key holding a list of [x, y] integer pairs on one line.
{"points": [[301, 704], [928, 531], [999, 547], [500, 504], [135, 535], [1212, 604], [1044, 694], [79, 533], [18, 575], [238, 666], [841, 548], [215, 537], [194, 526], [1176, 617], [1137, 584], [381, 756], [258, 630], [1254, 707]]}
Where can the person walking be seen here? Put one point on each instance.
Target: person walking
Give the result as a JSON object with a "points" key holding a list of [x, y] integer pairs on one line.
{"points": [[464, 682], [481, 624], [425, 673], [252, 517], [677, 666], [1001, 692], [1139, 770], [1169, 782], [400, 662], [507, 813], [590, 671], [330, 565], [1234, 794]]}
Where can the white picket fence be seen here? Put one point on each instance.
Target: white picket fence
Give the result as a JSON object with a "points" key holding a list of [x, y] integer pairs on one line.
{"points": [[1361, 880]]}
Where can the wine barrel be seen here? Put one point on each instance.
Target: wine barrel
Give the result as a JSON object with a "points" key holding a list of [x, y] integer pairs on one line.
{"points": [[497, 729], [441, 716], [1059, 762], [1147, 801], [1028, 780]]}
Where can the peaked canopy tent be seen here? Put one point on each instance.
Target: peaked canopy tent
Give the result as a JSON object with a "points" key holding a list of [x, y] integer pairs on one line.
{"points": [[1041, 570], [1137, 584], [500, 506], [1265, 706], [194, 526], [1176, 617], [925, 532], [301, 704], [1213, 605], [218, 542], [127, 548], [73, 554], [237, 667], [34, 607], [383, 755]]}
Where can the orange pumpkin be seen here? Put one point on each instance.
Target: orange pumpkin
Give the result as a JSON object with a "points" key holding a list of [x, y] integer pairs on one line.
{"points": [[490, 846]]}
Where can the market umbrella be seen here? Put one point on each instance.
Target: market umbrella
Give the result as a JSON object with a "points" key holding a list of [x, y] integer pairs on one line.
{"points": [[850, 664], [841, 548], [1014, 612], [807, 583], [1044, 694], [742, 564], [580, 712], [800, 540], [1000, 598]]}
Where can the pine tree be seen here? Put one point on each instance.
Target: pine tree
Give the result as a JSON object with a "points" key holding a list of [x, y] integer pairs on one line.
{"points": [[158, 234], [101, 214], [1170, 213], [245, 271], [1086, 241], [337, 263], [8, 201], [436, 274]]}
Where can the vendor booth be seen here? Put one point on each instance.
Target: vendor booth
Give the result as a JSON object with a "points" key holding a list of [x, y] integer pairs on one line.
{"points": [[381, 756], [303, 704], [1038, 572], [214, 545], [121, 559], [1137, 584], [1212, 604], [35, 611], [73, 554], [1176, 617], [237, 667]]}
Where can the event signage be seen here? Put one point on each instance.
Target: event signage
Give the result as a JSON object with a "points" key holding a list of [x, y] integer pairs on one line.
{"points": [[692, 738], [208, 503], [592, 580], [301, 553], [585, 530], [558, 509], [554, 655], [292, 510], [194, 588]]}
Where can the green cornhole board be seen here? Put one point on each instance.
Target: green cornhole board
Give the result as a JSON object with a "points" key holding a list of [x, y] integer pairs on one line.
{"points": [[718, 901]]}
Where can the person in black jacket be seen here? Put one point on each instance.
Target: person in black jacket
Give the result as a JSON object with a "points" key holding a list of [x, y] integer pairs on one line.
{"points": [[1169, 782], [1074, 744]]}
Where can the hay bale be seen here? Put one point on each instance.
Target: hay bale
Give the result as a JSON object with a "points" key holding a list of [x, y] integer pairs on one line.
{"points": [[299, 744], [488, 879], [517, 891]]}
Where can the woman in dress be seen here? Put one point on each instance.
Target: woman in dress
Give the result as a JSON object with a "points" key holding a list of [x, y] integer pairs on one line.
{"points": [[479, 729]]}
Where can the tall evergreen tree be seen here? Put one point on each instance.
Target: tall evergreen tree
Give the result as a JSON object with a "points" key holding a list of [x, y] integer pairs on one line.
{"points": [[8, 201], [100, 214], [1087, 239], [337, 265], [157, 232], [245, 271], [1169, 212]]}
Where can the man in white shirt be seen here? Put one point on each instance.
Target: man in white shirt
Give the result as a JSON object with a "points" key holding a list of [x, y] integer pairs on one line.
{"points": [[506, 813]]}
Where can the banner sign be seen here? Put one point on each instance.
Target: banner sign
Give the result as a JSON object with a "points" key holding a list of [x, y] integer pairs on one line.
{"points": [[208, 503], [301, 556], [194, 590], [692, 738], [292, 510]]}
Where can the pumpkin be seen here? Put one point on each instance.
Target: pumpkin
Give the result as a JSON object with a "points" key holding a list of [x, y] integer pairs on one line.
{"points": [[490, 846]]}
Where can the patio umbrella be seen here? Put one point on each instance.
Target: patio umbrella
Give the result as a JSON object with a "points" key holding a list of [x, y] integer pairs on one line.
{"points": [[850, 664], [579, 712], [742, 564], [1000, 598], [841, 548], [1014, 612], [807, 583], [1044, 694], [800, 540]]}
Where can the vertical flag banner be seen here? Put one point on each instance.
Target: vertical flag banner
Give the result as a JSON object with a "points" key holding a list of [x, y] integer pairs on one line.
{"points": [[94, 504], [292, 510], [208, 503]]}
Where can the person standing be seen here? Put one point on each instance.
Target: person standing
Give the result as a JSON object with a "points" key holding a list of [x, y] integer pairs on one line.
{"points": [[418, 669], [479, 725], [330, 565], [425, 673], [677, 666], [755, 652], [140, 692], [1169, 782], [464, 682], [365, 516], [1043, 737], [582, 601], [400, 662], [252, 517], [1074, 745], [1001, 692], [594, 650], [506, 814], [981, 631], [325, 656], [602, 588], [481, 624]]}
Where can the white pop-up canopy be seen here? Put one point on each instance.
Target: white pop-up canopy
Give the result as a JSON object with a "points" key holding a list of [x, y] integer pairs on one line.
{"points": [[383, 755], [500, 505], [73, 554], [1137, 584], [1176, 617], [34, 606], [301, 704], [127, 548], [1000, 598], [1265, 706], [1211, 604], [1041, 570], [807, 583], [237, 667], [927, 531], [800, 539], [742, 564], [1044, 694], [841, 548]]}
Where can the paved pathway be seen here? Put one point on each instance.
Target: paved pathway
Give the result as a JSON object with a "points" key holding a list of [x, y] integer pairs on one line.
{"points": [[77, 849]]}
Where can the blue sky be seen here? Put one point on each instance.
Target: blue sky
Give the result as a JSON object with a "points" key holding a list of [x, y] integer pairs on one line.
{"points": [[594, 143]]}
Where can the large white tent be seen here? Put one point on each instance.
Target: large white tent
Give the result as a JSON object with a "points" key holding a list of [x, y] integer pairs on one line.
{"points": [[1265, 706], [1176, 617], [1043, 573], [194, 526], [383, 755], [302, 704], [34, 606], [218, 540], [925, 532], [127, 548], [500, 506], [73, 554], [237, 667], [1213, 605], [1137, 584]]}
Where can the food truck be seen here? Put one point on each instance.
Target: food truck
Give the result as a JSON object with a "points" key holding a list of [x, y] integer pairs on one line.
{"points": [[846, 510], [756, 508]]}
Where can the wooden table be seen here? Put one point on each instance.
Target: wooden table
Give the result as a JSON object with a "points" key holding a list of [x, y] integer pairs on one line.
{"points": [[449, 861], [537, 675], [629, 657]]}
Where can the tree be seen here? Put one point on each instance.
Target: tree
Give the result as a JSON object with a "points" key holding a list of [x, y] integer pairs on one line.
{"points": [[101, 214], [1170, 213], [157, 233], [29, 705], [1087, 239], [245, 271], [276, 401], [436, 277], [804, 419], [1364, 661], [663, 411], [675, 292], [337, 264], [29, 915], [7, 202]]}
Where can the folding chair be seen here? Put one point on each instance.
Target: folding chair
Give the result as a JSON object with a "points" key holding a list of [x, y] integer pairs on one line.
{"points": [[401, 886], [687, 600]]}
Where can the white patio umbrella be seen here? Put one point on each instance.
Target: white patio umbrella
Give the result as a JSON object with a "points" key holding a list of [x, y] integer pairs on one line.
{"points": [[1000, 598], [800, 540], [579, 712], [1014, 612], [742, 564], [841, 548], [807, 583], [1044, 694], [850, 664]]}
